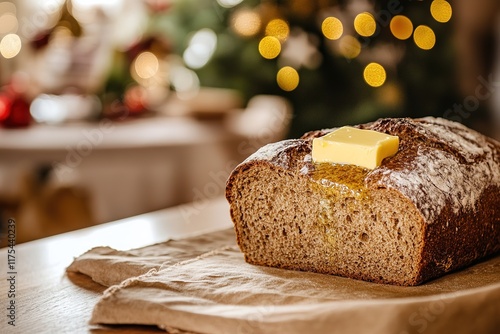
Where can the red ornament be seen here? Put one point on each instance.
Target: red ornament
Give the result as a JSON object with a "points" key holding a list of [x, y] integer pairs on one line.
{"points": [[5, 104], [135, 100], [14, 111], [159, 6]]}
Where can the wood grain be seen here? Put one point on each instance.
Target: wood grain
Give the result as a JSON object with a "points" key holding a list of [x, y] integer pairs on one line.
{"points": [[50, 301]]}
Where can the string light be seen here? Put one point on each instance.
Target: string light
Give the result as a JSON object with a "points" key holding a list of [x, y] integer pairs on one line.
{"points": [[246, 22], [287, 78], [441, 11], [9, 23], [374, 74], [365, 24], [278, 28], [332, 28], [269, 47], [401, 27], [10, 46], [424, 37], [146, 65], [228, 3], [349, 47]]}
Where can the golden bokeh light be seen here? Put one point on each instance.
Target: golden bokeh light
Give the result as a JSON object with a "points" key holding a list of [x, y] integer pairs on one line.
{"points": [[424, 37], [349, 47], [365, 24], [246, 22], [269, 47], [332, 28], [278, 28], [401, 27], [287, 78], [390, 94], [374, 74], [146, 65], [10, 46], [441, 10]]}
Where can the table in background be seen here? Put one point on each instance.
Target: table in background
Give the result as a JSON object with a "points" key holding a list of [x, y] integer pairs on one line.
{"points": [[131, 167]]}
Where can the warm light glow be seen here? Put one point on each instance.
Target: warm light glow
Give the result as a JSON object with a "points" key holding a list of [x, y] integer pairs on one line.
{"points": [[8, 23], [424, 37], [228, 3], [349, 47], [269, 47], [332, 28], [246, 22], [10, 45], [7, 7], [374, 74], [201, 48], [146, 65], [107, 5], [390, 94], [401, 27], [287, 78], [441, 10], [365, 24], [185, 82], [48, 109], [278, 28]]}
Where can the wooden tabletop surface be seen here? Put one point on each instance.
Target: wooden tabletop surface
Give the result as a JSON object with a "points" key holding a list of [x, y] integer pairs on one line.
{"points": [[47, 300]]}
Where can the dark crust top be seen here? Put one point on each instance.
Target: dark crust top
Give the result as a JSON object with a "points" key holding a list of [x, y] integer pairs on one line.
{"points": [[440, 164]]}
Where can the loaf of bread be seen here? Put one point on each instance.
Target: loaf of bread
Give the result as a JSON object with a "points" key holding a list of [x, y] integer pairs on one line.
{"points": [[432, 208]]}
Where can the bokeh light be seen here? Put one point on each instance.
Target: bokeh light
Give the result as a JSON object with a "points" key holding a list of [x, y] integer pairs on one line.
{"points": [[201, 48], [228, 3], [441, 10], [365, 24], [401, 27], [8, 23], [374, 74], [48, 109], [7, 7], [349, 47], [287, 78], [278, 28], [185, 82], [246, 22], [10, 45], [146, 65], [269, 47], [332, 28], [424, 37]]}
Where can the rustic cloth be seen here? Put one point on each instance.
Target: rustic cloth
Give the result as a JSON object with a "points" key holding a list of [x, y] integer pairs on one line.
{"points": [[218, 292]]}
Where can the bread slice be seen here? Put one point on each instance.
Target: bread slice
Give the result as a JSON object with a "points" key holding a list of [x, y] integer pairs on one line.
{"points": [[432, 208]]}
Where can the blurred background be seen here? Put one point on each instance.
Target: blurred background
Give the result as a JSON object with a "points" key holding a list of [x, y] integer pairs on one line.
{"points": [[112, 108]]}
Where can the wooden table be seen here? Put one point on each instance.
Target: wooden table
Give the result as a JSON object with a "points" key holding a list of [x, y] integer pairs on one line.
{"points": [[50, 301]]}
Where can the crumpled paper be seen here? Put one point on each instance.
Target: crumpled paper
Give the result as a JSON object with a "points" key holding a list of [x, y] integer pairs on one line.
{"points": [[218, 292], [108, 266]]}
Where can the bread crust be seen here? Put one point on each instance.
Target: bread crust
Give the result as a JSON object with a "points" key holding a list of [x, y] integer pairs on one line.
{"points": [[450, 173]]}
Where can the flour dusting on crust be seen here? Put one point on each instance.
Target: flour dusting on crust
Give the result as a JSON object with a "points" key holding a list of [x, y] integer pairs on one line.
{"points": [[439, 163], [455, 173]]}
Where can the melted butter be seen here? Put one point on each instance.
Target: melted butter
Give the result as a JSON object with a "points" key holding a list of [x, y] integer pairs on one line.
{"points": [[335, 182], [338, 179]]}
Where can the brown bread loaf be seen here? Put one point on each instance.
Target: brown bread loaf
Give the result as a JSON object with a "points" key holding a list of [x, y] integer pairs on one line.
{"points": [[432, 208]]}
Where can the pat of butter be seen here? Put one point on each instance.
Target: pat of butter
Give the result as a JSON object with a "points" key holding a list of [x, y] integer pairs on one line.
{"points": [[348, 145]]}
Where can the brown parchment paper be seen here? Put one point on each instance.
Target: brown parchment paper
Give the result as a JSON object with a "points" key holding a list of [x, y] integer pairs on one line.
{"points": [[218, 292], [108, 266]]}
